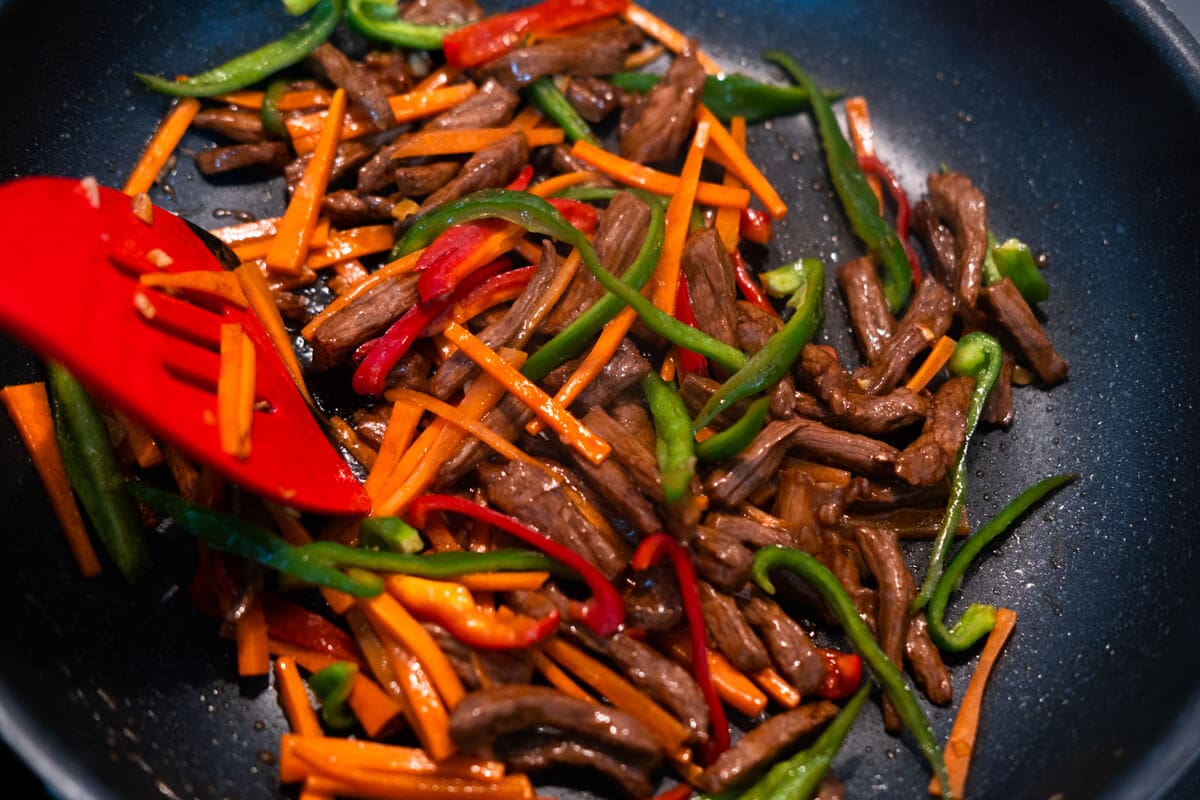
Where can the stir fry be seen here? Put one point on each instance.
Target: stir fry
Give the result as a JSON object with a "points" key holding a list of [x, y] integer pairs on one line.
{"points": [[624, 502]]}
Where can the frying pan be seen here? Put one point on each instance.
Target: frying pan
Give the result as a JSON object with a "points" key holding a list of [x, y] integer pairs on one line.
{"points": [[1078, 120]]}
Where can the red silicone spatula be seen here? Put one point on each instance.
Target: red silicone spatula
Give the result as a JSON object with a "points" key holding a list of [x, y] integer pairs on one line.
{"points": [[69, 288]]}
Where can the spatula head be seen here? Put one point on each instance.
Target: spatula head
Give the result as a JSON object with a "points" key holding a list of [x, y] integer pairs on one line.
{"points": [[71, 264]]}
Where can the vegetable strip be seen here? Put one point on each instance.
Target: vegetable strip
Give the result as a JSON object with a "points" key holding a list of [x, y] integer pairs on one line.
{"points": [[235, 391], [939, 354], [294, 698], [632, 174], [750, 175], [679, 212], [673, 40], [390, 617], [162, 144], [253, 656]]}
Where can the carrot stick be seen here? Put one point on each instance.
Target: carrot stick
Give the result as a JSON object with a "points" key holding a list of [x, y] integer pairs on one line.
{"points": [[560, 680], [348, 438], [374, 708], [389, 271], [822, 473], [728, 220], [29, 407], [556, 184], [262, 302], [235, 391], [427, 712], [674, 41], [294, 698], [742, 165], [257, 248], [307, 792], [295, 100], [146, 451], [468, 140], [290, 247], [390, 617], [161, 146], [221, 285], [354, 243], [374, 785], [468, 424], [529, 117], [295, 751], [309, 660], [679, 215], [966, 724], [620, 692], [253, 650], [504, 581], [779, 689], [418, 104], [632, 174], [402, 425], [732, 686], [553, 414], [862, 134], [937, 358]]}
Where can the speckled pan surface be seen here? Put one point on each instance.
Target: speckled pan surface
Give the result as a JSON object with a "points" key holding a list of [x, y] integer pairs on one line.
{"points": [[1077, 118]]}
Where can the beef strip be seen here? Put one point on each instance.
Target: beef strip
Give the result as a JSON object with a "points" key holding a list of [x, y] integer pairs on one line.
{"points": [[361, 84], [489, 168], [927, 459], [593, 98], [363, 318], [998, 409], [1021, 331], [652, 599], [710, 285], [938, 240], [695, 391], [721, 557], [762, 745], [441, 12], [926, 663], [482, 668], [347, 209], [629, 451], [905, 523], [889, 495], [870, 316], [490, 107], [928, 317], [830, 788], [483, 716], [507, 419], [820, 370], [410, 372], [273, 155], [292, 307], [663, 680], [730, 632], [789, 645], [391, 70], [964, 209], [537, 752], [895, 590], [624, 370], [754, 328], [754, 466], [655, 126], [349, 156], [837, 448], [240, 125], [749, 532], [600, 52], [612, 482], [371, 423]]}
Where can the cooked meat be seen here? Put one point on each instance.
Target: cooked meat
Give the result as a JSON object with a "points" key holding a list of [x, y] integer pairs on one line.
{"points": [[663, 680], [928, 317], [820, 370], [490, 107], [601, 52], [851, 451], [441, 12], [489, 168], [349, 156], [654, 126], [895, 590], [1020, 330], [764, 744], [273, 155], [483, 716], [237, 124], [561, 160], [939, 242], [482, 668], [890, 495], [391, 70], [754, 466], [419, 180], [507, 419], [730, 632], [710, 285], [830, 789], [870, 316], [790, 646], [998, 408], [964, 209], [629, 408], [539, 751], [613, 483], [927, 459], [625, 369], [371, 423], [695, 391], [749, 532], [652, 601], [361, 84], [721, 557], [347, 209], [410, 372], [926, 663], [365, 317], [754, 328], [905, 523], [629, 451], [593, 98], [292, 307]]}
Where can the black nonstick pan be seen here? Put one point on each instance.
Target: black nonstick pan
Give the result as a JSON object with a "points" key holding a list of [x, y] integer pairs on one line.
{"points": [[1077, 118]]}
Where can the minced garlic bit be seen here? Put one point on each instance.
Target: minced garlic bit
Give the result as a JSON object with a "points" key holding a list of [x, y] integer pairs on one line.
{"points": [[928, 335], [91, 190], [159, 259], [143, 209], [144, 306]]}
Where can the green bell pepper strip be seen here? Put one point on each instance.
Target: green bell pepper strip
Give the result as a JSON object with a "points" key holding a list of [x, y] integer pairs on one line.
{"points": [[979, 619], [432, 565], [252, 67], [738, 436], [390, 534], [332, 686], [1014, 261], [546, 96], [889, 678], [298, 7], [381, 22], [732, 95], [860, 203], [673, 442], [96, 474], [991, 273], [272, 117], [772, 362], [573, 339], [538, 216], [979, 356], [229, 534]]}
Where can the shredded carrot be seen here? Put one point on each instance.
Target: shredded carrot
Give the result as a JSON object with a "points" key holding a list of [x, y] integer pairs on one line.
{"points": [[390, 271], [621, 693], [731, 684], [402, 426], [441, 540], [235, 391], [862, 134], [779, 689], [633, 174], [295, 751], [185, 475], [442, 76], [646, 55], [427, 712], [937, 358], [353, 243], [529, 117], [728, 220], [742, 165], [253, 650], [670, 365], [162, 145], [560, 680], [307, 792], [552, 413], [290, 247], [294, 698], [29, 407], [467, 140], [388, 616], [529, 250], [347, 274], [222, 285], [375, 785], [295, 100], [146, 451], [287, 521], [679, 215], [304, 130], [481, 302], [309, 660], [257, 248], [374, 708], [348, 438], [966, 724], [554, 185], [674, 41], [821, 473], [504, 581], [262, 302]]}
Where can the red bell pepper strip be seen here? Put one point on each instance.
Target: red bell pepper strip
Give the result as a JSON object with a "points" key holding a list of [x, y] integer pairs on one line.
{"points": [[523, 179], [755, 226], [843, 674], [448, 262], [295, 624], [749, 287], [649, 553], [689, 360], [514, 280], [870, 165], [603, 613], [451, 605], [496, 35], [581, 215]]}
